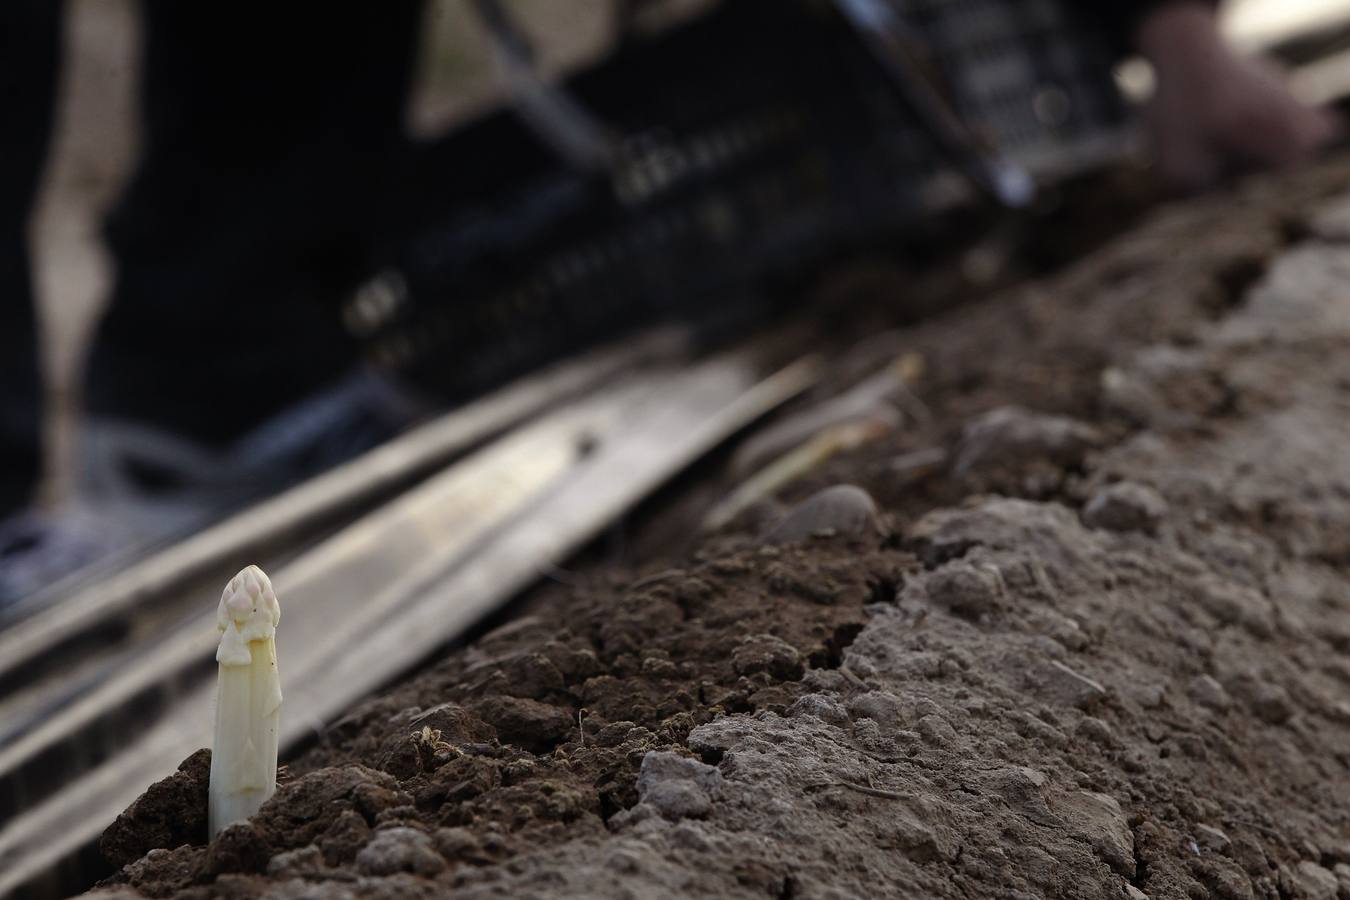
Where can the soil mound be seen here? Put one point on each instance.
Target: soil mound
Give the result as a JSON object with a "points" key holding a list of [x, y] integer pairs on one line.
{"points": [[1092, 639]]}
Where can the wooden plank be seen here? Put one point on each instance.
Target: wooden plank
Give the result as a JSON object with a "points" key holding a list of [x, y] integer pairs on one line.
{"points": [[349, 630]]}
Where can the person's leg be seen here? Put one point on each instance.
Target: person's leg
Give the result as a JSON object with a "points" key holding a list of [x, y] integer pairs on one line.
{"points": [[29, 52], [270, 134]]}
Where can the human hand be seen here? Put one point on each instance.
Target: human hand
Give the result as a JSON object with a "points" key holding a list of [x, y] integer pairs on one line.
{"points": [[1214, 112]]}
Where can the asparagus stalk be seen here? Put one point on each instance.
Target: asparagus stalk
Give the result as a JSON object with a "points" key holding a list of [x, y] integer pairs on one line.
{"points": [[248, 704]]}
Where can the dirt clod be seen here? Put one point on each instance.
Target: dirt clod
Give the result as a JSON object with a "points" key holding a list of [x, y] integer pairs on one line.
{"points": [[530, 724], [172, 812], [1315, 882], [1125, 506], [844, 509], [768, 654], [393, 850], [677, 787], [965, 590]]}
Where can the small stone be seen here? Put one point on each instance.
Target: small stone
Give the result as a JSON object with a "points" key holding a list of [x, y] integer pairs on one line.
{"points": [[844, 510], [965, 590], [1134, 893], [1012, 434], [1207, 692], [767, 653], [1212, 839], [1125, 506], [1315, 882], [677, 787], [394, 850], [827, 709]]}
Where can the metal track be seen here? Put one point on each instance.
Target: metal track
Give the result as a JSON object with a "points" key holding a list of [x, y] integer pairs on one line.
{"points": [[375, 599], [54, 656]]}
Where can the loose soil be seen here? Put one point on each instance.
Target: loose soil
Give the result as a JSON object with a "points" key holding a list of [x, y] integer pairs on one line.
{"points": [[1094, 643]]}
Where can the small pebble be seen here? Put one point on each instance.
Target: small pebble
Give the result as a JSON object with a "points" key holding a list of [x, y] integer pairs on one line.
{"points": [[676, 786], [844, 510]]}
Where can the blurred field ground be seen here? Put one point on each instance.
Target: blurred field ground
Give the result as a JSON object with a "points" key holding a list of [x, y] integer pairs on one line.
{"points": [[95, 139], [94, 143]]}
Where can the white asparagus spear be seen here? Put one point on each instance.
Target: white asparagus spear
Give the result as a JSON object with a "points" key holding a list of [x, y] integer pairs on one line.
{"points": [[248, 702]]}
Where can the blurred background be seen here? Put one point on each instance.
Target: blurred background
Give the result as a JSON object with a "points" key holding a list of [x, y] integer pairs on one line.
{"points": [[95, 137], [95, 141]]}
